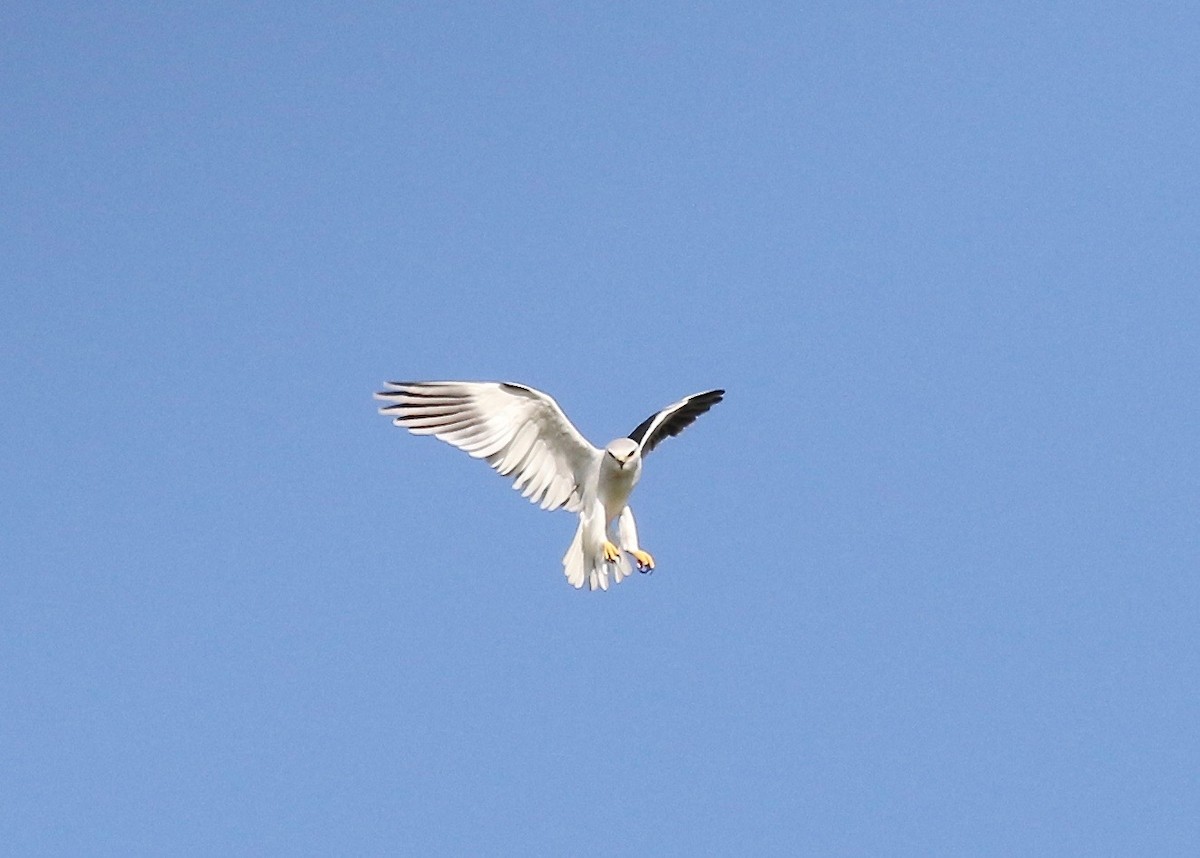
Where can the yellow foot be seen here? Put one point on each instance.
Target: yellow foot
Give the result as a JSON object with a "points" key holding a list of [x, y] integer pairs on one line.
{"points": [[611, 553], [644, 561]]}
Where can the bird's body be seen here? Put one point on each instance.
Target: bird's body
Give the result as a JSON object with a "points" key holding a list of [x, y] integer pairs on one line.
{"points": [[523, 433], [616, 481]]}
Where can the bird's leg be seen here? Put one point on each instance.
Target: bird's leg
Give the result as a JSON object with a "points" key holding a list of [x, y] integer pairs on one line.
{"points": [[627, 528], [611, 553]]}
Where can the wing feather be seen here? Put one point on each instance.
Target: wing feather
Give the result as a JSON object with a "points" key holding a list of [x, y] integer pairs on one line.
{"points": [[558, 492], [673, 419], [521, 432], [529, 468], [543, 470], [517, 450]]}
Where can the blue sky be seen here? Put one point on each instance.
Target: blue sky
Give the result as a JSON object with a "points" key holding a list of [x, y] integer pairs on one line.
{"points": [[927, 579]]}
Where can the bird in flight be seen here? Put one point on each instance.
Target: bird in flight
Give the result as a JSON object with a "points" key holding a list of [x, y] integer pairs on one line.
{"points": [[524, 435]]}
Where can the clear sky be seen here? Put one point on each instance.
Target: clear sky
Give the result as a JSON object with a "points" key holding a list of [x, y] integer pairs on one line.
{"points": [[927, 579]]}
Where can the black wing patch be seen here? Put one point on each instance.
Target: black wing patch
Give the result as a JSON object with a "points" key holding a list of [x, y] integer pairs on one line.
{"points": [[681, 417]]}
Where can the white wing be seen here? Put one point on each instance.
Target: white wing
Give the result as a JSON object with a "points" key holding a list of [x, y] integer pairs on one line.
{"points": [[521, 432]]}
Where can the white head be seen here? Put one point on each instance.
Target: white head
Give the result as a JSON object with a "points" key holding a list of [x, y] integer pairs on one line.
{"points": [[623, 451]]}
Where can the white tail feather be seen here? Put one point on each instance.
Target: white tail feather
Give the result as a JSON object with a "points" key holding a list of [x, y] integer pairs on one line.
{"points": [[586, 564]]}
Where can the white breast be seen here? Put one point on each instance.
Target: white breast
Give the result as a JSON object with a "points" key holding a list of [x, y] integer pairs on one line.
{"points": [[615, 485]]}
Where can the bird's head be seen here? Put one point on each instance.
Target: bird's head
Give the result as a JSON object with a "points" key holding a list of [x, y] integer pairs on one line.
{"points": [[624, 451]]}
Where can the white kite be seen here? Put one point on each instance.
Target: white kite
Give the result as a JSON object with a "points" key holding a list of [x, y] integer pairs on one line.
{"points": [[522, 433]]}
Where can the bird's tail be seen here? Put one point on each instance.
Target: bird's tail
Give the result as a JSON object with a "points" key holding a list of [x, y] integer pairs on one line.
{"points": [[584, 561]]}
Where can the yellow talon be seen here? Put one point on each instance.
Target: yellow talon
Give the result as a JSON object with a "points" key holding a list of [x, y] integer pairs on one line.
{"points": [[644, 560], [611, 553]]}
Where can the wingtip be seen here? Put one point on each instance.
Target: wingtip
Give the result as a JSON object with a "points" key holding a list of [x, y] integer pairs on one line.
{"points": [[391, 388]]}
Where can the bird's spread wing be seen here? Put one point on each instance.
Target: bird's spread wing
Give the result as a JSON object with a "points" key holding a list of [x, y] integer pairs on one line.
{"points": [[521, 432], [673, 419]]}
